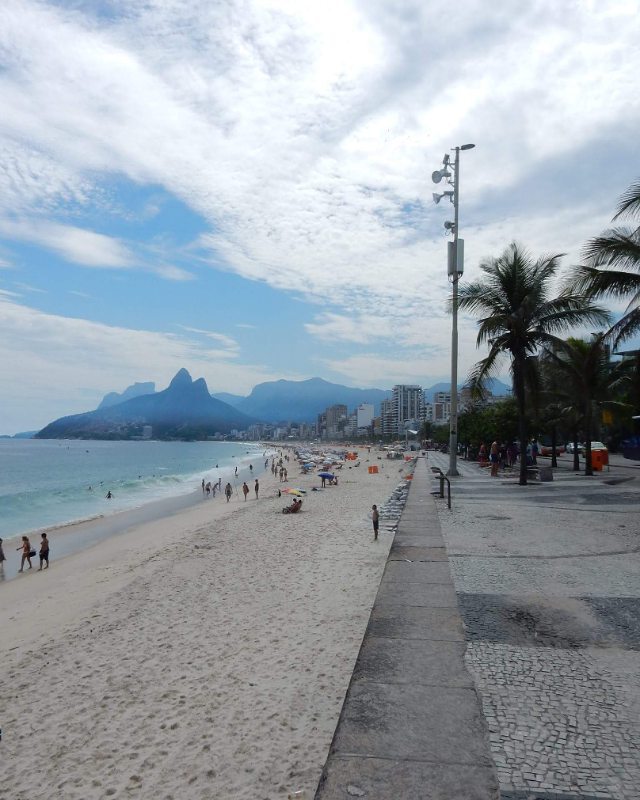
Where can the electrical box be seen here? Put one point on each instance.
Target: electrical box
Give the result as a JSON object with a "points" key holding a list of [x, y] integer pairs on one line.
{"points": [[455, 254]]}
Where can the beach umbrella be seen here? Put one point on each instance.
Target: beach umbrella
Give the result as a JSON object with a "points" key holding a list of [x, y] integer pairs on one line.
{"points": [[327, 475]]}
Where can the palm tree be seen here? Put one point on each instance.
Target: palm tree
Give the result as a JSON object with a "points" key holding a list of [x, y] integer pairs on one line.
{"points": [[613, 266], [588, 379], [518, 317]]}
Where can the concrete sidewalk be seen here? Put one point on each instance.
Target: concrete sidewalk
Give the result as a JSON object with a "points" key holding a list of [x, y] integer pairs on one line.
{"points": [[411, 724]]}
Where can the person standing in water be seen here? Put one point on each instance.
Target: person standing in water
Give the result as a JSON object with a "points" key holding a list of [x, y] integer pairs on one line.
{"points": [[44, 552]]}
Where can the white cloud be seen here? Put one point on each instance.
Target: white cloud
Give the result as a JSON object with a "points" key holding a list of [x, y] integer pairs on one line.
{"points": [[87, 248], [359, 329], [226, 344], [306, 134], [302, 135]]}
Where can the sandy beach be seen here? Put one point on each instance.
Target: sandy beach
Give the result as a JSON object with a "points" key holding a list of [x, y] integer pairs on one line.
{"points": [[203, 655]]}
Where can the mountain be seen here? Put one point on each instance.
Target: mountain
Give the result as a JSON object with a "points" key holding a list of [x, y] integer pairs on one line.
{"points": [[302, 401], [184, 410], [231, 399], [495, 386], [137, 390]]}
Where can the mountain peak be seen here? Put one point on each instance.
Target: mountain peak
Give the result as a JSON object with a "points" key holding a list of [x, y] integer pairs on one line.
{"points": [[181, 378]]}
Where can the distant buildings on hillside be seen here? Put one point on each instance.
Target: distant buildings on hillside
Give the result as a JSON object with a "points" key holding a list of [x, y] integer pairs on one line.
{"points": [[406, 409]]}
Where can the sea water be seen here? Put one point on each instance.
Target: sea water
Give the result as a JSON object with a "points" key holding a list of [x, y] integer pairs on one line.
{"points": [[51, 482]]}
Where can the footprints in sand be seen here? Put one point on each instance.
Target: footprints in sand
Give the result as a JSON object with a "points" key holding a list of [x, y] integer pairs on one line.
{"points": [[217, 672]]}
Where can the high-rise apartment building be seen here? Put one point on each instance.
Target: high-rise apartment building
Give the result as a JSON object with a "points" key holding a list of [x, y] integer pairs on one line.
{"points": [[406, 403], [336, 419], [386, 418], [365, 415]]}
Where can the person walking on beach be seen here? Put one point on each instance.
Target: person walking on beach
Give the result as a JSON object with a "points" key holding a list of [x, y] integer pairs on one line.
{"points": [[44, 552], [257, 488], [26, 553], [245, 490], [375, 518], [2, 557], [227, 491]]}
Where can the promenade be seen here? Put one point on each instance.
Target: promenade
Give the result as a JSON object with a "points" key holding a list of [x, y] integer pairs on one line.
{"points": [[547, 582]]}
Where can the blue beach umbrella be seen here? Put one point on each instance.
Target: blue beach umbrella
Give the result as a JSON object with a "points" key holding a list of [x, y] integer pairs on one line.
{"points": [[326, 475]]}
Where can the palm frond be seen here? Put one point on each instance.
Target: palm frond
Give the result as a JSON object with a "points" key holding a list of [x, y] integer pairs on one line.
{"points": [[629, 202], [593, 282], [618, 248]]}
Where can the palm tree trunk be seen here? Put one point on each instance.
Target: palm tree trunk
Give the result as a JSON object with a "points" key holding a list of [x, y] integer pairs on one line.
{"points": [[518, 386], [554, 440], [576, 455]]}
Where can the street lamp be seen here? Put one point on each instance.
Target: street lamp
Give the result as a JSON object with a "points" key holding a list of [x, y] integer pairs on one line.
{"points": [[455, 268]]}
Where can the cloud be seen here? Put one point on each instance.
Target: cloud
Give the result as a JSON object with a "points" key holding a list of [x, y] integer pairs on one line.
{"points": [[227, 345], [330, 327], [83, 247], [305, 135]]}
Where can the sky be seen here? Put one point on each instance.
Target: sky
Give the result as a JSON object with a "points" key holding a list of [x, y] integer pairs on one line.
{"points": [[243, 187]]}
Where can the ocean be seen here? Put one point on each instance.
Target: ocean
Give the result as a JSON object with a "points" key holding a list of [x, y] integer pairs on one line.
{"points": [[52, 482]]}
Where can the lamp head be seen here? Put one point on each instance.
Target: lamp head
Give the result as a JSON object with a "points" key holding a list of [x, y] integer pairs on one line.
{"points": [[467, 146]]}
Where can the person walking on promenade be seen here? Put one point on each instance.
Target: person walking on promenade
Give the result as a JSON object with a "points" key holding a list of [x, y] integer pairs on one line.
{"points": [[44, 552], [257, 488], [494, 458], [227, 491], [375, 518], [245, 491], [26, 553]]}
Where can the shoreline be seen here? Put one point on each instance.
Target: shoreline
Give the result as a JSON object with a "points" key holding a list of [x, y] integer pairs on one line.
{"points": [[59, 483], [206, 652], [75, 535]]}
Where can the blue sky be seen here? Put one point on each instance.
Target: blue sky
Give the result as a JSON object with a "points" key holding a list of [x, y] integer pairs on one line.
{"points": [[242, 187]]}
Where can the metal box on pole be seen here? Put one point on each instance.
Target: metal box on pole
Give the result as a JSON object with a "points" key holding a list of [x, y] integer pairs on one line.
{"points": [[455, 258]]}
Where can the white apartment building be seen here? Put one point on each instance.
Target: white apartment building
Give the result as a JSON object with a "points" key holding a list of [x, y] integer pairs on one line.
{"points": [[406, 400], [364, 414]]}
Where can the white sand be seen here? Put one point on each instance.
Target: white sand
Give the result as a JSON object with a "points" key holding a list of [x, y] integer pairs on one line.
{"points": [[202, 656]]}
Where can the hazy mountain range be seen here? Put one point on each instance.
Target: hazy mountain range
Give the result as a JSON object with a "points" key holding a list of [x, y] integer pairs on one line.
{"points": [[186, 409]]}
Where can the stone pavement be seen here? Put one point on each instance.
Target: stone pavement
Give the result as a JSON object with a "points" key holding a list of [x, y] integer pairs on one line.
{"points": [[548, 583], [411, 725]]}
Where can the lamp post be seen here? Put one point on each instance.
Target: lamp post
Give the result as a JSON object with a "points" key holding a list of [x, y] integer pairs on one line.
{"points": [[455, 268]]}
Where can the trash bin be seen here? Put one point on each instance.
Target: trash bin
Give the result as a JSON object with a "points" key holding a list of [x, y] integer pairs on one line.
{"points": [[545, 474], [597, 459]]}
